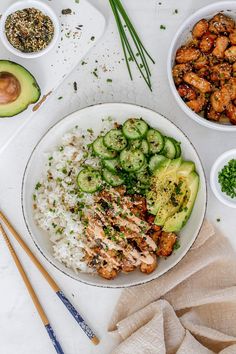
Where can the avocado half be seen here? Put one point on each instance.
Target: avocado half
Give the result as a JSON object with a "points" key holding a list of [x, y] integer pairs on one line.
{"points": [[18, 89], [174, 188]]}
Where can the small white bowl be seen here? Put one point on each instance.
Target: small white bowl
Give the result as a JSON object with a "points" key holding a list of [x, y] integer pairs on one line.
{"points": [[215, 185], [20, 5], [182, 35]]}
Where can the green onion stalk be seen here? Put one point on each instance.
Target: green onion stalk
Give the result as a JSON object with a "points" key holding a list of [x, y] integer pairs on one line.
{"points": [[133, 48]]}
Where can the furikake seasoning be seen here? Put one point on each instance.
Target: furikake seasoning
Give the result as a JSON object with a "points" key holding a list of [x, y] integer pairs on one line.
{"points": [[227, 178], [29, 30]]}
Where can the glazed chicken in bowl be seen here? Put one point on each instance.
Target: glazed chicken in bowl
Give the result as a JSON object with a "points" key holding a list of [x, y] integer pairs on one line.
{"points": [[203, 70]]}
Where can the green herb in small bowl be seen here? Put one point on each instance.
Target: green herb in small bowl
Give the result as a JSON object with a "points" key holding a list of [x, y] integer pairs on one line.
{"points": [[227, 178], [223, 178]]}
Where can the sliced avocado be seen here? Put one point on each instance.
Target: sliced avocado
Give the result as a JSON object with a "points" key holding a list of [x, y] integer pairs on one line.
{"points": [[152, 194], [18, 89], [171, 191], [173, 204], [162, 184], [186, 168], [176, 222], [174, 165]]}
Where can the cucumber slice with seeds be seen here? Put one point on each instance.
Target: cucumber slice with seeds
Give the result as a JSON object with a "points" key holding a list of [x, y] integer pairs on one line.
{"points": [[135, 128], [112, 165], [169, 149], [113, 179], [89, 180], [143, 175], [135, 144], [155, 141], [178, 150], [101, 150], [155, 162], [132, 160], [177, 147], [115, 140], [144, 147]]}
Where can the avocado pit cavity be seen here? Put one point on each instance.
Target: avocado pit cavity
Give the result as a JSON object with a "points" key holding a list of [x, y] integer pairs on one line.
{"points": [[10, 88]]}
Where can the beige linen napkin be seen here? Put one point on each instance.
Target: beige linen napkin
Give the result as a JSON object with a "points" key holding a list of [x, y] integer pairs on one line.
{"points": [[189, 310]]}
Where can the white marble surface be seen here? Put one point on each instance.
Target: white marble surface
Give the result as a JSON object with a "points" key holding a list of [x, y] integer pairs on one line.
{"points": [[21, 331]]}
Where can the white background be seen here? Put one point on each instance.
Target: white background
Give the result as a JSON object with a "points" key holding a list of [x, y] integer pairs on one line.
{"points": [[21, 331]]}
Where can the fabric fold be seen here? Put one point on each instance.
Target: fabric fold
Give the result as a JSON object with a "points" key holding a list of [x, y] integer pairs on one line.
{"points": [[190, 309]]}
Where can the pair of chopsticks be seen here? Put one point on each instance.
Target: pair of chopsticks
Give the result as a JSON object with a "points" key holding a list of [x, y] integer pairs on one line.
{"points": [[50, 281]]}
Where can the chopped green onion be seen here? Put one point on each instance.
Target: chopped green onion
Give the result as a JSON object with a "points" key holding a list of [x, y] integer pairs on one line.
{"points": [[227, 179]]}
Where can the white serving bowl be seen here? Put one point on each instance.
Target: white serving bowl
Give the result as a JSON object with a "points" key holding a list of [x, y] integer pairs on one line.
{"points": [[91, 117], [182, 35], [221, 161], [20, 5]]}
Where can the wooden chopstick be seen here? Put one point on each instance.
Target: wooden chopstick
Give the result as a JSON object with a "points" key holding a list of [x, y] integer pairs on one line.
{"points": [[32, 293], [87, 330]]}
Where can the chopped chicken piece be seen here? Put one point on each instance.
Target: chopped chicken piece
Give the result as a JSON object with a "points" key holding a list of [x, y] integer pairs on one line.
{"points": [[200, 28], [187, 54], [232, 37], [186, 92], [221, 72], [198, 104], [220, 46], [197, 82], [220, 99], [230, 54], [231, 113], [149, 268], [166, 244], [179, 71], [221, 24], [207, 42], [107, 272], [212, 114]]}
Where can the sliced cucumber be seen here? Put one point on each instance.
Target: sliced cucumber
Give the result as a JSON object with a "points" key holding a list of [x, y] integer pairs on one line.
{"points": [[135, 144], [101, 150], [135, 128], [178, 150], [143, 175], [115, 140], [132, 160], [155, 162], [112, 165], [169, 149], [177, 147], [155, 141], [89, 180], [113, 179], [144, 147]]}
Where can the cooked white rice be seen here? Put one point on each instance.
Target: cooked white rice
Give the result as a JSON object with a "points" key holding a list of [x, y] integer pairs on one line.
{"points": [[57, 199]]}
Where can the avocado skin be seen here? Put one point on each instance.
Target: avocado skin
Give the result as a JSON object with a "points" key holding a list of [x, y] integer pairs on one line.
{"points": [[29, 86]]}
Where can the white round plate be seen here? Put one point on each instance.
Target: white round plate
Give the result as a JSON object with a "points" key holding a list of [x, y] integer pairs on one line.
{"points": [[91, 117], [181, 37]]}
